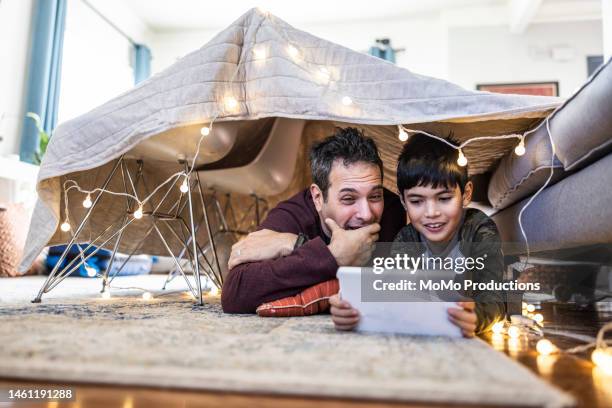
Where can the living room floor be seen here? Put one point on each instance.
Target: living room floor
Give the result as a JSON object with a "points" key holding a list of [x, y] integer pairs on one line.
{"points": [[574, 374]]}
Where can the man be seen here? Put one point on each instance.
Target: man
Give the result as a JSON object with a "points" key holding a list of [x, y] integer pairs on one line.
{"points": [[335, 222]]}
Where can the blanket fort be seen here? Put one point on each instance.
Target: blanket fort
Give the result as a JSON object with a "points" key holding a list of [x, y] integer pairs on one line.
{"points": [[257, 90]]}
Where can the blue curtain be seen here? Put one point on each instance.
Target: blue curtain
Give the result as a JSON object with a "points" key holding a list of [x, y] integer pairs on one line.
{"points": [[49, 19], [142, 63]]}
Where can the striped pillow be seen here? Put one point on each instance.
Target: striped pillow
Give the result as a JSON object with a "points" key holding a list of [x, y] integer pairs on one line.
{"points": [[311, 301]]}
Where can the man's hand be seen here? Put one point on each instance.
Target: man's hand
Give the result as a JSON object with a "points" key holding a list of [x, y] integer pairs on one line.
{"points": [[343, 315], [352, 247], [465, 318], [261, 245]]}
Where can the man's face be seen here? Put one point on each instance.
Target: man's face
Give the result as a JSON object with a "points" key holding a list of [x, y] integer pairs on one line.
{"points": [[354, 197], [436, 212]]}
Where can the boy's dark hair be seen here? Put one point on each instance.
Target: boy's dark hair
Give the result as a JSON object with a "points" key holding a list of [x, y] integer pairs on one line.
{"points": [[425, 161], [348, 144]]}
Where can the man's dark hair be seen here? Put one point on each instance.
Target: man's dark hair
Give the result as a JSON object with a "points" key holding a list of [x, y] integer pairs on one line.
{"points": [[425, 161], [348, 144]]}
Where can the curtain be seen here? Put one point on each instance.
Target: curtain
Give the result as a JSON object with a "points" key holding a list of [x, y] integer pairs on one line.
{"points": [[49, 18]]}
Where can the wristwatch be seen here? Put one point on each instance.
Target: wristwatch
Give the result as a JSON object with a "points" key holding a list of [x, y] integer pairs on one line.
{"points": [[301, 240]]}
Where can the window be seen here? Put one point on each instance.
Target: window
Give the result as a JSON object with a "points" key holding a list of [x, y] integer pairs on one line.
{"points": [[95, 63]]}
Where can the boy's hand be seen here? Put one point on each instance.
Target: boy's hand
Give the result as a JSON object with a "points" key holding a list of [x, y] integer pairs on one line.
{"points": [[343, 314], [465, 318]]}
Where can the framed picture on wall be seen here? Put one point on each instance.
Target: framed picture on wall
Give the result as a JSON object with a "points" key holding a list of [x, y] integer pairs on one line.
{"points": [[523, 88]]}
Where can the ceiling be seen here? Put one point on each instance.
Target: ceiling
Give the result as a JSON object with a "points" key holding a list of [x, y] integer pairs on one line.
{"points": [[164, 15]]}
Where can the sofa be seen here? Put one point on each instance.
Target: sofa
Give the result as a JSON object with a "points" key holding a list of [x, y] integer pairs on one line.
{"points": [[571, 218]]}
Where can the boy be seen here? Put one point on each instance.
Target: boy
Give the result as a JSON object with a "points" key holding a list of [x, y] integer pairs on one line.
{"points": [[435, 192]]}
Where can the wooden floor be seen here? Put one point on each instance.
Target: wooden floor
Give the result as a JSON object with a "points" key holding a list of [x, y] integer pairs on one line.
{"points": [[576, 375]]}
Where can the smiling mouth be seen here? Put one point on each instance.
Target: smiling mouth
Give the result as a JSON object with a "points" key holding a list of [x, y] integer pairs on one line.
{"points": [[435, 226]]}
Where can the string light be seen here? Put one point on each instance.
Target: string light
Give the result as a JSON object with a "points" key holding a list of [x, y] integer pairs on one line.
{"points": [[214, 291], [138, 212], [65, 226], [87, 202], [231, 103], [461, 160], [602, 358], [519, 150], [260, 53], [91, 271], [538, 317], [513, 332], [293, 52], [184, 187], [147, 296], [346, 100], [324, 73], [545, 347], [530, 308], [498, 328], [205, 131], [403, 135]]}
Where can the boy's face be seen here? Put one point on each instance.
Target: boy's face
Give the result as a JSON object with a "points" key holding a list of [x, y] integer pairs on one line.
{"points": [[436, 212], [354, 196]]}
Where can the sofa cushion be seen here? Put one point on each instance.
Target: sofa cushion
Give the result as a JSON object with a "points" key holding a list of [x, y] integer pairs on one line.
{"points": [[311, 301], [582, 127], [517, 177]]}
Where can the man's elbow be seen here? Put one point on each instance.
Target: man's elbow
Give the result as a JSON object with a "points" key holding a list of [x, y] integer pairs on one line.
{"points": [[234, 297]]}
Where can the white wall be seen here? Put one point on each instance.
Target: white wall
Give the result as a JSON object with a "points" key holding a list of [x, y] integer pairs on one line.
{"points": [[493, 55], [606, 11], [15, 23]]}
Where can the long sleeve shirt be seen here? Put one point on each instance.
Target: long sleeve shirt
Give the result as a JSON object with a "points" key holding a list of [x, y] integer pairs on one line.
{"points": [[250, 284]]}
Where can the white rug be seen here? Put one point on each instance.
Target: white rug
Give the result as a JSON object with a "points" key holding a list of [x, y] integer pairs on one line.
{"points": [[76, 336]]}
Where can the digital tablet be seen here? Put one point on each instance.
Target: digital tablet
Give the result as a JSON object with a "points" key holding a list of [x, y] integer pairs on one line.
{"points": [[415, 317]]}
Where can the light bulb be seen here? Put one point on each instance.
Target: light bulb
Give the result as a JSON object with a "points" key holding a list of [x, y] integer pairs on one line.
{"points": [[520, 148], [293, 51], [87, 202], [184, 187], [545, 347], [346, 101], [205, 131], [91, 271], [138, 213], [106, 295], [514, 332], [602, 358], [498, 328], [214, 291], [524, 305], [403, 135], [461, 160], [147, 296], [538, 317], [260, 53], [324, 73], [231, 103], [530, 308], [65, 226]]}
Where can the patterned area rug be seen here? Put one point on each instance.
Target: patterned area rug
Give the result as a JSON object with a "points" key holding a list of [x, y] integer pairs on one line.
{"points": [[74, 335]]}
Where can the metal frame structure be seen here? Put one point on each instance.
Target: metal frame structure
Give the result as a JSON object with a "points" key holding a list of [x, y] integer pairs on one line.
{"points": [[186, 236]]}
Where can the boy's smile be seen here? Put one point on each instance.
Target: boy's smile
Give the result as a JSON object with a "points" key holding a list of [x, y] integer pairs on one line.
{"points": [[436, 213]]}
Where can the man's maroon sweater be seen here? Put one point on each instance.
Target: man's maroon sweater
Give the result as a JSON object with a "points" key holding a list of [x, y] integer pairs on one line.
{"points": [[251, 284]]}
